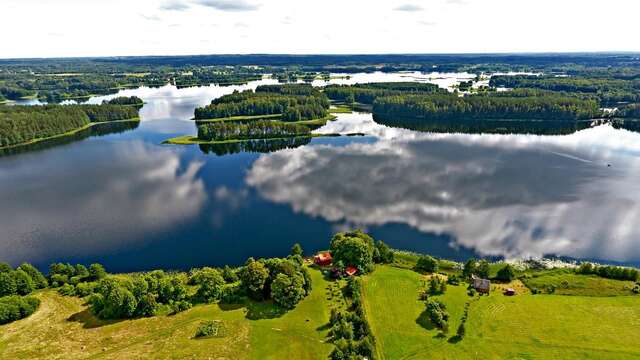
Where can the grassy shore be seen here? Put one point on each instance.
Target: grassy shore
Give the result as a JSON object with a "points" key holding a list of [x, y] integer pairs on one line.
{"points": [[68, 133], [63, 328]]}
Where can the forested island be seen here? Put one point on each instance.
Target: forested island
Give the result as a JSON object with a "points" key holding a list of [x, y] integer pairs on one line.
{"points": [[347, 302], [269, 112], [20, 125]]}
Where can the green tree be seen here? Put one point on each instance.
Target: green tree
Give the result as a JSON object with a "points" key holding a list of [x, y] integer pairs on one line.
{"points": [[97, 272], [287, 291], [24, 283], [7, 284], [296, 249], [382, 253], [38, 279], [483, 269], [506, 274], [470, 268], [353, 249], [427, 264], [211, 284], [254, 276]]}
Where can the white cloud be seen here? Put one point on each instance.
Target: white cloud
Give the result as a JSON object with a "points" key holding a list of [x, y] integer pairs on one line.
{"points": [[313, 27], [409, 8], [229, 5]]}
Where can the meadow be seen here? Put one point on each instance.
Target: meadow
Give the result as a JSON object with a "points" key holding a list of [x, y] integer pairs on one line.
{"points": [[521, 327], [63, 328]]}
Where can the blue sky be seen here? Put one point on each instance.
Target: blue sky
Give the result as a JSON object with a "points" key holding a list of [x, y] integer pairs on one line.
{"points": [[46, 28]]}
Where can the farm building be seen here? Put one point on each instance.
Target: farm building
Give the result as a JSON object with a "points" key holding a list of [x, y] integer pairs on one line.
{"points": [[482, 286], [351, 270], [323, 259]]}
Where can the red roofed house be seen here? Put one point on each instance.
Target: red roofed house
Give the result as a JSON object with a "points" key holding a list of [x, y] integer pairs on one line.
{"points": [[351, 270], [323, 259]]}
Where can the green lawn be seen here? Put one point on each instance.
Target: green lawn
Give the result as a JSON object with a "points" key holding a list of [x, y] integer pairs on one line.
{"points": [[63, 328], [519, 327], [567, 283]]}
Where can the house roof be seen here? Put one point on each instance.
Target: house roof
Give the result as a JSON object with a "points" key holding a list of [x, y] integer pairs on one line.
{"points": [[324, 256], [481, 283], [351, 270]]}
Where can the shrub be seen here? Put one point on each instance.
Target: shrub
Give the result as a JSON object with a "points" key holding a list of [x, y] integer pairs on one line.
{"points": [[85, 289], [438, 315], [180, 306], [8, 284], [437, 285], [453, 280], [382, 253], [427, 264], [14, 308], [208, 328], [97, 272], [461, 331], [229, 274], [67, 290], [39, 280]]}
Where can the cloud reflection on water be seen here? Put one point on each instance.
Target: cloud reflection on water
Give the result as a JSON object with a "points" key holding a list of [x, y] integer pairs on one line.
{"points": [[132, 190], [513, 195]]}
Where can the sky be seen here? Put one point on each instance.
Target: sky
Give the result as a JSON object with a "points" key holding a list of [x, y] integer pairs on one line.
{"points": [[68, 28]]}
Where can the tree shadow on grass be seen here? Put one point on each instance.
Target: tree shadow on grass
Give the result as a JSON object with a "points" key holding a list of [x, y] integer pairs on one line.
{"points": [[424, 321], [454, 339], [90, 321], [263, 310]]}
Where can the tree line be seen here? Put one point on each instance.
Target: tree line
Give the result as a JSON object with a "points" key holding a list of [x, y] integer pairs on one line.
{"points": [[368, 93], [20, 124], [447, 107], [293, 102], [259, 129]]}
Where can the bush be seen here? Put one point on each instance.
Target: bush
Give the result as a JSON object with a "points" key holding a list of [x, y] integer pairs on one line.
{"points": [[382, 253], [14, 308], [67, 290], [437, 285], [39, 280], [427, 264], [85, 289], [461, 331], [208, 328], [453, 280], [438, 315], [180, 306], [8, 284], [211, 284]]}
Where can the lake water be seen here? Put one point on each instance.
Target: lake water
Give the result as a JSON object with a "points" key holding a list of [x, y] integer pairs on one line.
{"points": [[129, 202]]}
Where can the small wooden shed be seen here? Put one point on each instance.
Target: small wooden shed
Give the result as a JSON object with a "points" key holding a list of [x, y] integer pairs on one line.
{"points": [[482, 286]]}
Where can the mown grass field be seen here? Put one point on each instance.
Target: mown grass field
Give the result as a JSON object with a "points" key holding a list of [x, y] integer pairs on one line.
{"points": [[567, 283], [62, 328], [519, 327]]}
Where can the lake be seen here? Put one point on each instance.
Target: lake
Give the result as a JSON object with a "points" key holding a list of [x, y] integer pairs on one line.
{"points": [[127, 201]]}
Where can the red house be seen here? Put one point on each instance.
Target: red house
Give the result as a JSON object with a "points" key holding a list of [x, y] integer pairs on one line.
{"points": [[323, 259], [351, 270]]}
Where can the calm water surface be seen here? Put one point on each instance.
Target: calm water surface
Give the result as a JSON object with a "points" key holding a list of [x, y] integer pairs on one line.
{"points": [[131, 203]]}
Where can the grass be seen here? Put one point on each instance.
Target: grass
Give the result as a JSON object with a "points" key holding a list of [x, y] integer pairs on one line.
{"points": [[63, 328], [340, 109], [569, 283], [519, 327], [68, 133]]}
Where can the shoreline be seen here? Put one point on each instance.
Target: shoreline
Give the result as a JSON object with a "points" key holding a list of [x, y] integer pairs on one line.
{"points": [[68, 133]]}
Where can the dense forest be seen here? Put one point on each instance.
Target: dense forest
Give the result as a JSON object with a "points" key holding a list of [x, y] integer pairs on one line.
{"points": [[292, 102], [21, 124], [609, 91], [449, 107], [260, 129], [368, 93]]}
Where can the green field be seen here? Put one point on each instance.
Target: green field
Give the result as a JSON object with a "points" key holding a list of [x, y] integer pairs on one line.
{"points": [[519, 327], [63, 328], [567, 283]]}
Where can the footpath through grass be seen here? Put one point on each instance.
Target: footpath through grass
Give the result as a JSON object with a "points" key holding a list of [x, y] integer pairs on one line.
{"points": [[63, 328], [519, 327]]}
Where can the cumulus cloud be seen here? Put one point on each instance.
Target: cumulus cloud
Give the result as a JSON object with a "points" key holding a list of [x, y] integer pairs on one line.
{"points": [[230, 5], [409, 8], [506, 196]]}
